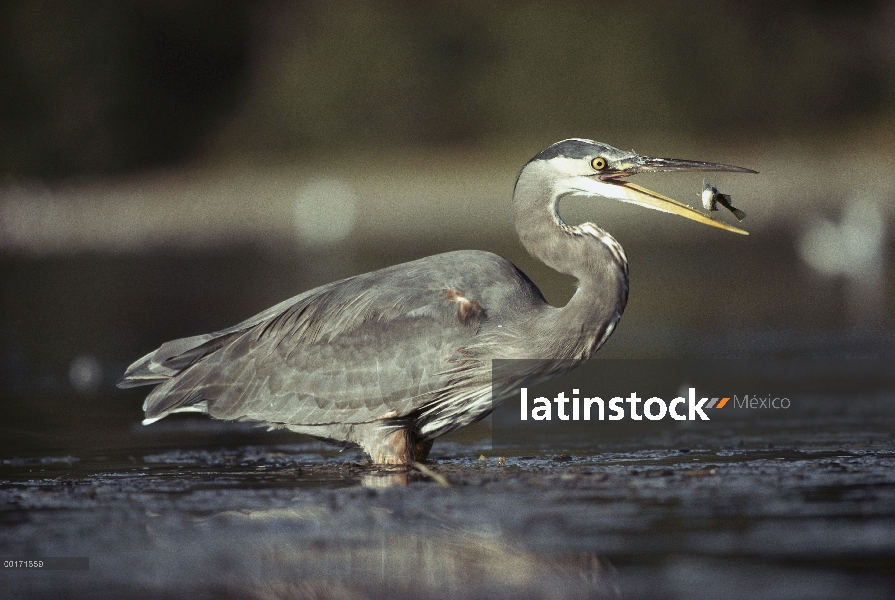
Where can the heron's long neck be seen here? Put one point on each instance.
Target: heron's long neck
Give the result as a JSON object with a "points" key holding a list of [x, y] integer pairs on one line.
{"points": [[585, 252]]}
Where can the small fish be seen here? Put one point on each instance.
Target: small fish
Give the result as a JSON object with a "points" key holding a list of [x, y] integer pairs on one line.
{"points": [[711, 196]]}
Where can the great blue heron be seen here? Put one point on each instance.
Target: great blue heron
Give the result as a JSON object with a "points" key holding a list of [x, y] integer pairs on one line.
{"points": [[392, 359]]}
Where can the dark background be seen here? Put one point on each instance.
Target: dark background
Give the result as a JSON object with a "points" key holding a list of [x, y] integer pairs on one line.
{"points": [[101, 88]]}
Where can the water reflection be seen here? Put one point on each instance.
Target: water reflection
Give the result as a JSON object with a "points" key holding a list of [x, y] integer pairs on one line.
{"points": [[385, 479], [256, 522], [373, 560]]}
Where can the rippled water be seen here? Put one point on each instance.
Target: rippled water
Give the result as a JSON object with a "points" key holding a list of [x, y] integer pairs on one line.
{"points": [[221, 515]]}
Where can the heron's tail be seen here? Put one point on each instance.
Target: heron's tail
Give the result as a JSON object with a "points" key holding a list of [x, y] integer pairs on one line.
{"points": [[172, 358]]}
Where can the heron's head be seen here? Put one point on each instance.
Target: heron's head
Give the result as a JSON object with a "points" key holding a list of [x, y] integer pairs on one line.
{"points": [[586, 167]]}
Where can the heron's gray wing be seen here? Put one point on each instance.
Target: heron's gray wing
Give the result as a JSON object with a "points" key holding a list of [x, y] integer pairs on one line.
{"points": [[173, 357], [378, 345]]}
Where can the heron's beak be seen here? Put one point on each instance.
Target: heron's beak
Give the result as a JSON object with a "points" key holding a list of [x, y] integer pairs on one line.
{"points": [[650, 199], [649, 164]]}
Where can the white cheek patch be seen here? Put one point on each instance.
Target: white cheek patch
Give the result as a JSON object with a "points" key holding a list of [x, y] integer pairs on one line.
{"points": [[571, 166], [577, 186]]}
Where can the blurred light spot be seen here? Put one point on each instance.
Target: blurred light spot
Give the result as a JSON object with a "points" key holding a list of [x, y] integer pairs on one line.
{"points": [[855, 249], [851, 247], [325, 212], [85, 374]]}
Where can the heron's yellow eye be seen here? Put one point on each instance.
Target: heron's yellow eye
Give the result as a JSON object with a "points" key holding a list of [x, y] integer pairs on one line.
{"points": [[599, 163]]}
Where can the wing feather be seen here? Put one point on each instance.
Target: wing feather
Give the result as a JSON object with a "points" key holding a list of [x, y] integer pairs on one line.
{"points": [[348, 352]]}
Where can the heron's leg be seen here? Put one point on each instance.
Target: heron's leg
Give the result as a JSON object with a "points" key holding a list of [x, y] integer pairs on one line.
{"points": [[397, 447], [422, 448], [394, 448]]}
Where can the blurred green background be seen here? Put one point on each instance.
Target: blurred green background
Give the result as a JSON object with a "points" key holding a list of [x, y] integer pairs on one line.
{"points": [[94, 88], [173, 167]]}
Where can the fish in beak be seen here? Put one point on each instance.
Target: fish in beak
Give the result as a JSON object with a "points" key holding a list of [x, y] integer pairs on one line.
{"points": [[615, 171]]}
